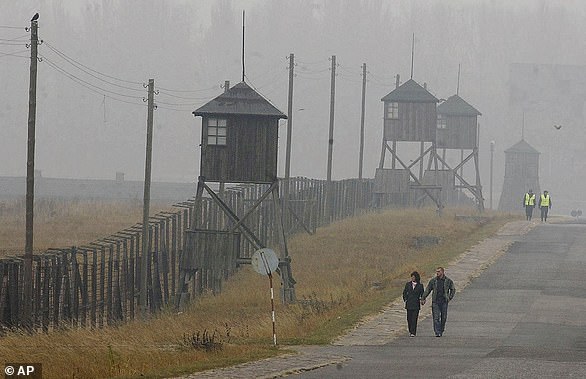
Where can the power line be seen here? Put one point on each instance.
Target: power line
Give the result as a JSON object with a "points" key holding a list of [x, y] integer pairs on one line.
{"points": [[307, 71], [86, 82], [349, 70], [273, 79], [179, 104], [174, 109], [12, 27], [274, 83], [189, 90], [260, 93], [92, 87], [77, 65], [183, 97], [308, 63], [13, 39], [349, 79], [383, 78], [309, 77], [381, 84], [13, 54], [13, 43]]}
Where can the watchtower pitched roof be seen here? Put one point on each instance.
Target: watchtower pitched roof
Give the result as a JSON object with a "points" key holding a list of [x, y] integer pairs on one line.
{"points": [[522, 147], [456, 106], [410, 92], [240, 100]]}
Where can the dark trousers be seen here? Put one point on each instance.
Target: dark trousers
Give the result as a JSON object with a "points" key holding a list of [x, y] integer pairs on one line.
{"points": [[529, 211], [439, 311], [412, 315], [544, 211]]}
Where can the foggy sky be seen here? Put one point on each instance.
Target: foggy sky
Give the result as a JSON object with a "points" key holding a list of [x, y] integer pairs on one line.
{"points": [[190, 47]]}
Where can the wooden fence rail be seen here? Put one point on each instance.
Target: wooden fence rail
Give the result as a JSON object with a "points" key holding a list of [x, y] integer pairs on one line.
{"points": [[98, 284]]}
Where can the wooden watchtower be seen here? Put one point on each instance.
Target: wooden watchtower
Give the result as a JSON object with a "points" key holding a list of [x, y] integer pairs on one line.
{"points": [[457, 129], [409, 116], [239, 144], [521, 174]]}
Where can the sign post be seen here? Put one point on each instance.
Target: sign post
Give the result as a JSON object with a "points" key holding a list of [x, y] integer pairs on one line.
{"points": [[265, 262]]}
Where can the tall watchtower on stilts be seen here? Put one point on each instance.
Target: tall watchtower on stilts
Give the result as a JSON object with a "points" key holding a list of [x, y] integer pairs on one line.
{"points": [[239, 144], [521, 174], [409, 117], [457, 129]]}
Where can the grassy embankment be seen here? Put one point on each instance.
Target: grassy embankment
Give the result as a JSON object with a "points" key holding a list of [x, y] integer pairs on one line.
{"points": [[345, 271]]}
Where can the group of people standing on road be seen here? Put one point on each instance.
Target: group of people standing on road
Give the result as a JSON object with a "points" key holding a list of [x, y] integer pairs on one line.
{"points": [[544, 204], [414, 296]]}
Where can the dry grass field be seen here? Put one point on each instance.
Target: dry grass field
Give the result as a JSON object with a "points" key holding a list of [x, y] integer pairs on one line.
{"points": [[343, 272], [60, 223]]}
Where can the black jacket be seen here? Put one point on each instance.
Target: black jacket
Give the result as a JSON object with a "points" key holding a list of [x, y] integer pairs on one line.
{"points": [[411, 296]]}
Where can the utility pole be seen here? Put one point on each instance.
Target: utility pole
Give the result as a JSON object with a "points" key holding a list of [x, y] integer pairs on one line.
{"points": [[146, 254], [30, 177], [491, 160], [329, 200], [289, 131], [361, 155]]}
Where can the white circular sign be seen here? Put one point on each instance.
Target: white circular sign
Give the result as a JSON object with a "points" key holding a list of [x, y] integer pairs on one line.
{"points": [[264, 261]]}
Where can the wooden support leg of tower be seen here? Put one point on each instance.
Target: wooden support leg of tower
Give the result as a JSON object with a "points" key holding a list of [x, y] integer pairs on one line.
{"points": [[378, 198], [429, 162], [476, 190], [421, 149], [420, 158], [248, 234], [393, 159], [435, 156], [196, 213], [381, 163], [288, 289], [431, 195], [479, 197], [461, 169], [288, 283], [254, 207]]}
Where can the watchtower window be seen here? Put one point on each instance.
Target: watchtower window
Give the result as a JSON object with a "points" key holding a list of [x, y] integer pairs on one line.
{"points": [[441, 122], [393, 111], [217, 131]]}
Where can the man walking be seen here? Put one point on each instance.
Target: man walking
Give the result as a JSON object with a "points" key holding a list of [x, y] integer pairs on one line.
{"points": [[529, 204], [443, 291], [544, 205]]}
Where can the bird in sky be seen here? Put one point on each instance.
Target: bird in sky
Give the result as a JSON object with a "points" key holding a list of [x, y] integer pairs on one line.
{"points": [[558, 127], [35, 17]]}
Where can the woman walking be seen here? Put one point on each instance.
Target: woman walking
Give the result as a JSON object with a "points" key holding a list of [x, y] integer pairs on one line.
{"points": [[412, 295]]}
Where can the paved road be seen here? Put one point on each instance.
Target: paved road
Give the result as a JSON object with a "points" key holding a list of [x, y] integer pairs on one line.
{"points": [[521, 314], [523, 317]]}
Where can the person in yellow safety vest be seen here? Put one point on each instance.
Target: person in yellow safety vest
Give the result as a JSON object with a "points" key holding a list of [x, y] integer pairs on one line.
{"points": [[544, 205], [529, 204]]}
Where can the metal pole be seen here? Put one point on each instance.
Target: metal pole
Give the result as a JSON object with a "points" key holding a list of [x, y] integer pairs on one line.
{"points": [[361, 155], [289, 131], [147, 197], [289, 117], [30, 177], [491, 164], [329, 199], [243, 16], [270, 275], [273, 310]]}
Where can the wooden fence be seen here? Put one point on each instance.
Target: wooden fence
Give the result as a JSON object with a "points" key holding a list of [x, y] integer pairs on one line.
{"points": [[98, 284]]}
